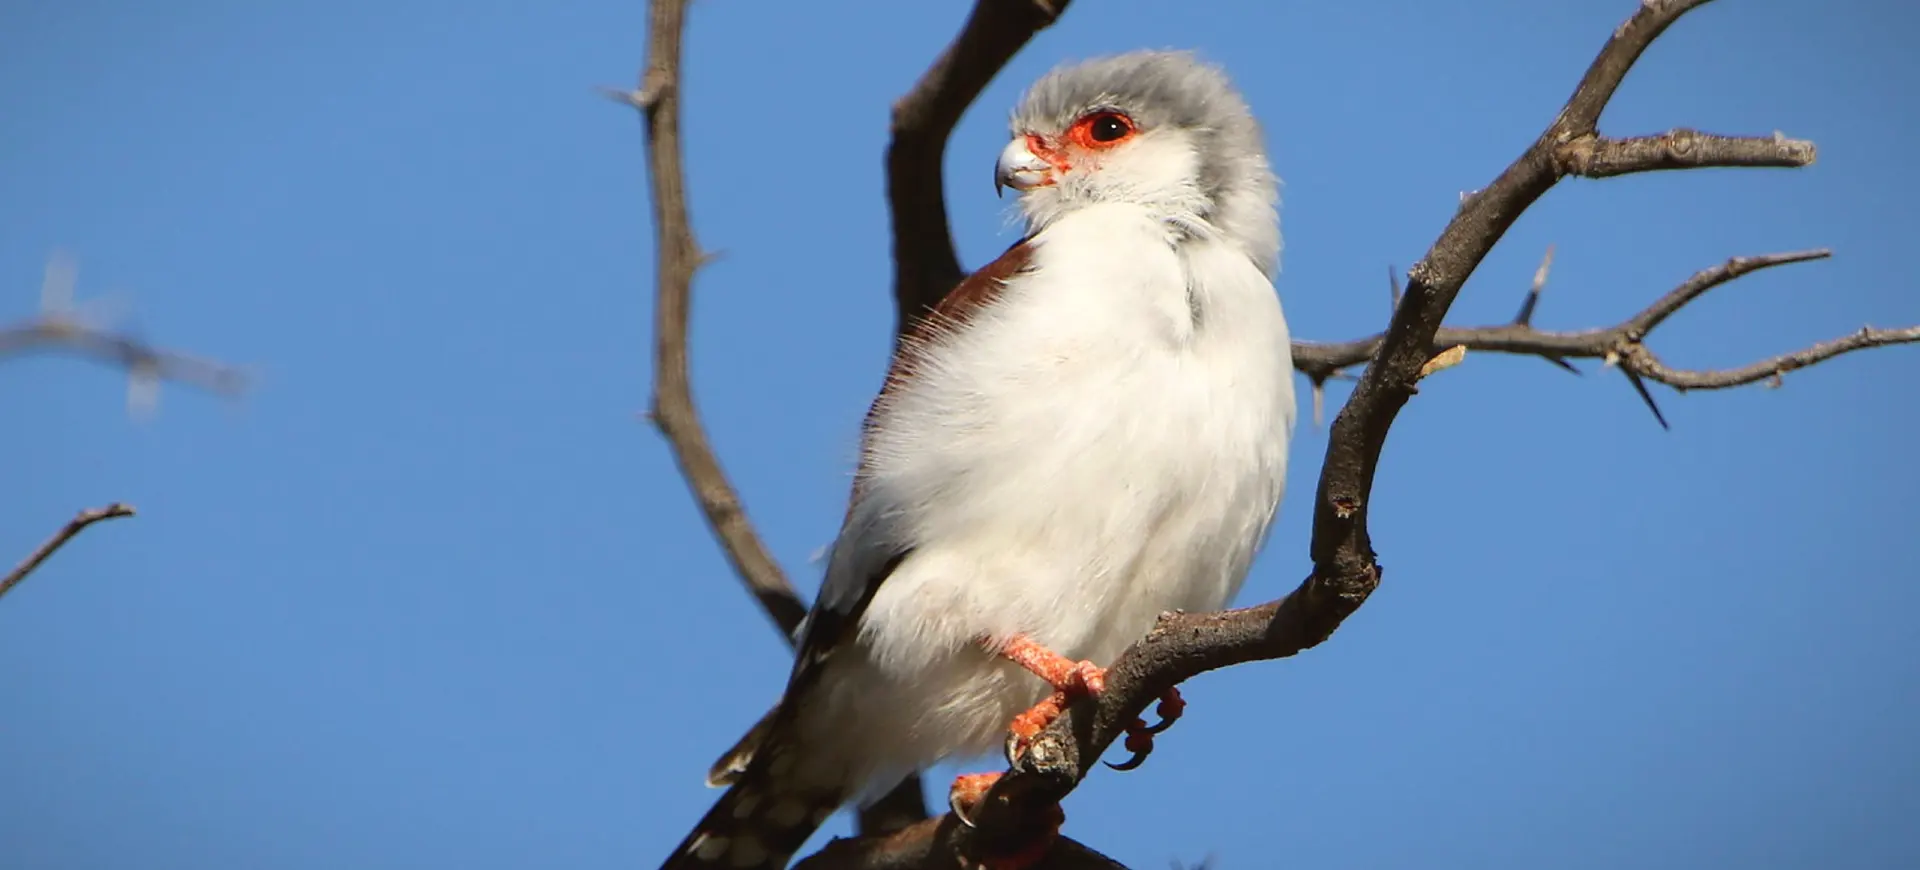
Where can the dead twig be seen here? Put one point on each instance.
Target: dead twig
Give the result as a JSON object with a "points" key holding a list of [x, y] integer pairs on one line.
{"points": [[677, 257], [1623, 344], [75, 526]]}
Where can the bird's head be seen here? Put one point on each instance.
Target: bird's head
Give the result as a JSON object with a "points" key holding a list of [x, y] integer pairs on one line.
{"points": [[1154, 128]]}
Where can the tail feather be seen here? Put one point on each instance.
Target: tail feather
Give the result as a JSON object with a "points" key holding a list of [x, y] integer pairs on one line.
{"points": [[758, 824], [734, 763]]}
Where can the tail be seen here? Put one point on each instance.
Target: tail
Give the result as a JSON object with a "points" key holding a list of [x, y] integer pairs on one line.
{"points": [[758, 824]]}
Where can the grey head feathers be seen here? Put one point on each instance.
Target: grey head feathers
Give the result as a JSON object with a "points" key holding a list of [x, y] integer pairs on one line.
{"points": [[1199, 151]]}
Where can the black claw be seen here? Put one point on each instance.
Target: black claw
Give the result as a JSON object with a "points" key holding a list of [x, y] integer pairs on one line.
{"points": [[1012, 748], [1640, 387], [1160, 726], [1140, 740]]}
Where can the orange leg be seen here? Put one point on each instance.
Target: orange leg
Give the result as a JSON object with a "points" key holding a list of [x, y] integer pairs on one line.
{"points": [[1062, 673], [1066, 676]]}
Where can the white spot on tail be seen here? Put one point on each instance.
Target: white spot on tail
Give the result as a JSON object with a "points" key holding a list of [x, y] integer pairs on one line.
{"points": [[708, 847]]}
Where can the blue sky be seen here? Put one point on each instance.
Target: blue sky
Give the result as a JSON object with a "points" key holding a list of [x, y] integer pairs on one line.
{"points": [[433, 596]]}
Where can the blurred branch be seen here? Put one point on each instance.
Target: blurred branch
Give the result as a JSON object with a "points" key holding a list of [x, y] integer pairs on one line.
{"points": [[59, 327], [73, 527]]}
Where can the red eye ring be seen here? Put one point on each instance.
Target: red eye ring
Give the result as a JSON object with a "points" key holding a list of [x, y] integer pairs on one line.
{"points": [[1103, 129]]}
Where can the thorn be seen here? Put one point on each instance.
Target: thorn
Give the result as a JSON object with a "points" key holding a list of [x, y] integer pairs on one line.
{"points": [[1393, 287], [1525, 317], [1640, 386], [1776, 381], [1562, 363], [636, 98], [1319, 402]]}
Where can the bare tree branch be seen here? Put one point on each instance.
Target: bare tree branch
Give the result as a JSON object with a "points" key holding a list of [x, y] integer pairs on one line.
{"points": [[73, 527], [925, 266], [1622, 343], [677, 256], [1595, 156]]}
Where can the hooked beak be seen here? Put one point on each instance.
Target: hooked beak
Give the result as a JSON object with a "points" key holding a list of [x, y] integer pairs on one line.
{"points": [[1020, 168]]}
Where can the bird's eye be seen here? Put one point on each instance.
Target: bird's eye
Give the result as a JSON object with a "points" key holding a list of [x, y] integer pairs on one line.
{"points": [[1101, 129], [1108, 127]]}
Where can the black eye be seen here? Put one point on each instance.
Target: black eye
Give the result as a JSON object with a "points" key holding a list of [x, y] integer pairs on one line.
{"points": [[1109, 128]]}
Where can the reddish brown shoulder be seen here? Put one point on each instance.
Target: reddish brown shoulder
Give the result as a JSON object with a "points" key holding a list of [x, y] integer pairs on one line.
{"points": [[973, 293], [953, 311]]}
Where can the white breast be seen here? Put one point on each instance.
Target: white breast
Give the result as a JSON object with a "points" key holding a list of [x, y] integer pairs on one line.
{"points": [[1104, 442]]}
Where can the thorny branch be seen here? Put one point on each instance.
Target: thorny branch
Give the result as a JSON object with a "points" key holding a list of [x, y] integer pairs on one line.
{"points": [[1622, 345], [73, 527], [1415, 344], [677, 256]]}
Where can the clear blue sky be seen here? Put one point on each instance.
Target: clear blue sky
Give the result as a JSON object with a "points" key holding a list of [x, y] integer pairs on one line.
{"points": [[433, 596]]}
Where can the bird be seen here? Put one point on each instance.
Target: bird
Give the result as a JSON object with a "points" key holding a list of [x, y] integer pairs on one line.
{"points": [[1087, 432]]}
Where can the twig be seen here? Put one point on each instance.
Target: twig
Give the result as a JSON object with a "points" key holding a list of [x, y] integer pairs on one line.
{"points": [[1595, 156], [1621, 344], [677, 256], [73, 527]]}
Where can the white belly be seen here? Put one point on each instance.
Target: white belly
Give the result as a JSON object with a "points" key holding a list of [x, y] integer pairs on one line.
{"points": [[1090, 453]]}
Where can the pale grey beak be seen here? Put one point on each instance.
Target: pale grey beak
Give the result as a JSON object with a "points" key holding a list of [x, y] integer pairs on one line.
{"points": [[1020, 168]]}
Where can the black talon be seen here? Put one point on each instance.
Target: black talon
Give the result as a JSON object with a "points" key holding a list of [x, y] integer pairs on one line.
{"points": [[1012, 748], [1140, 742], [953, 805]]}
